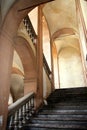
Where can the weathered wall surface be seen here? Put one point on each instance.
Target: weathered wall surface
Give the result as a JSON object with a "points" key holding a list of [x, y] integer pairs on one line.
{"points": [[60, 14], [70, 68]]}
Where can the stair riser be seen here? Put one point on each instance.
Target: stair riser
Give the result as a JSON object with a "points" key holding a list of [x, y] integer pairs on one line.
{"points": [[66, 110], [57, 126], [33, 128], [66, 101], [61, 116], [46, 108]]}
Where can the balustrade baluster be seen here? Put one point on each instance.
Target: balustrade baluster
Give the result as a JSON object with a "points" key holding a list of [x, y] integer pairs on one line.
{"points": [[19, 113], [24, 114], [16, 121], [30, 29], [10, 127], [20, 118], [30, 108], [27, 111]]}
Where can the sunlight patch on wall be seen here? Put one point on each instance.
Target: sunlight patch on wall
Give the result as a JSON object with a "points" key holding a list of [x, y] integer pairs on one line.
{"points": [[17, 62], [70, 68]]}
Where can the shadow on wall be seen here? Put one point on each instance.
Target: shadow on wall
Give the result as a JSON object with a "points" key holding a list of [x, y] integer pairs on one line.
{"points": [[17, 88]]}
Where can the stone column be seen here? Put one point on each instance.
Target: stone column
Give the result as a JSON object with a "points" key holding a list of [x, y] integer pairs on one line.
{"points": [[6, 57], [39, 59]]}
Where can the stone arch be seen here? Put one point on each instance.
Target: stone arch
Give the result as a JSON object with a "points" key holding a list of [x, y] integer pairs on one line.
{"points": [[63, 32], [8, 31], [27, 56], [70, 41], [17, 86], [17, 66], [17, 79], [29, 63]]}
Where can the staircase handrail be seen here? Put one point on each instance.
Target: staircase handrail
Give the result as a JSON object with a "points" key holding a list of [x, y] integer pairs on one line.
{"points": [[30, 29], [33, 36], [20, 112], [14, 106], [46, 66]]}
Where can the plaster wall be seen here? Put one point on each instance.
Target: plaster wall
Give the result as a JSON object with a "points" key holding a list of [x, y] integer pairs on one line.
{"points": [[17, 86], [46, 85], [17, 62], [70, 68], [60, 14], [33, 15], [23, 33], [84, 8]]}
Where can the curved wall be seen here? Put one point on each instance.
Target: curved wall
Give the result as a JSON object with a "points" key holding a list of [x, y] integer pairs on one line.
{"points": [[60, 10]]}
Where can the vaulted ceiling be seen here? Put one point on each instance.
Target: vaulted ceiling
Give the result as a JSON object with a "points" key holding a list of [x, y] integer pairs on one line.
{"points": [[61, 14], [62, 23], [61, 20]]}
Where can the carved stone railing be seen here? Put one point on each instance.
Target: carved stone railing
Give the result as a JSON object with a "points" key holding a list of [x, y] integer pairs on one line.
{"points": [[30, 29], [33, 36], [47, 69], [20, 112]]}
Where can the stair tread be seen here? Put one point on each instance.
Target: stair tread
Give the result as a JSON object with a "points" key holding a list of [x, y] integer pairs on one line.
{"points": [[69, 103], [53, 112], [59, 121], [79, 126], [63, 117], [57, 107], [66, 110], [58, 116]]}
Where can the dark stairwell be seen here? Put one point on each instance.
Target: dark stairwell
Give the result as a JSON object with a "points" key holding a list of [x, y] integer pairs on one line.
{"points": [[66, 110]]}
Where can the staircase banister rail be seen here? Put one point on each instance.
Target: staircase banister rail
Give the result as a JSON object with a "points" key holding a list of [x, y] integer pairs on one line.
{"points": [[16, 105], [20, 112], [46, 66], [30, 29], [33, 36]]}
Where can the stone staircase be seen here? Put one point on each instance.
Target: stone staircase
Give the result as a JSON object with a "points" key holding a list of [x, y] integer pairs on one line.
{"points": [[66, 110]]}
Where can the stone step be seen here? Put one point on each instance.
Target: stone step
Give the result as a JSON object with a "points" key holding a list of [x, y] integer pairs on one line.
{"points": [[66, 101], [38, 121], [83, 97], [83, 103], [56, 126], [60, 116], [63, 118], [71, 90], [66, 109], [58, 93], [57, 107], [33, 128], [56, 112]]}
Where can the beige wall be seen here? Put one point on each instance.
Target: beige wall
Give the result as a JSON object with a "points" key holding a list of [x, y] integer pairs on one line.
{"points": [[17, 63], [62, 15], [46, 85], [84, 8], [70, 68], [17, 86]]}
